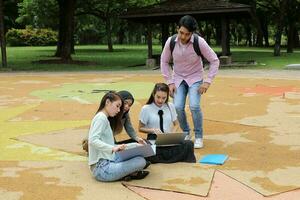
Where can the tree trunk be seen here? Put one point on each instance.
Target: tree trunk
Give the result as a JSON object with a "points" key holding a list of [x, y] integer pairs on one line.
{"points": [[130, 32], [149, 40], [296, 38], [278, 40], [139, 34], [225, 37], [173, 29], [121, 32], [73, 46], [165, 33], [218, 33], [138, 37], [2, 35], [280, 24], [234, 34], [259, 34], [108, 32], [66, 17], [248, 32], [207, 32], [290, 37], [60, 30], [73, 38], [265, 31]]}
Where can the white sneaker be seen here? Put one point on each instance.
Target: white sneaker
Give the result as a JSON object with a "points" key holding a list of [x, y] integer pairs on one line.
{"points": [[198, 143], [188, 137]]}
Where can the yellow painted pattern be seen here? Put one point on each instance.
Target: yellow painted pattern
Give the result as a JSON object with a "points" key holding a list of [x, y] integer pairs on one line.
{"points": [[12, 149]]}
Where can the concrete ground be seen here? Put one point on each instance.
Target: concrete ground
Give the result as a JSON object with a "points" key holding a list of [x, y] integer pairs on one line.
{"points": [[251, 115]]}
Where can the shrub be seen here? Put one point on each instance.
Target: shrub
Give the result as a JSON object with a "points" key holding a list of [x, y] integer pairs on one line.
{"points": [[31, 37]]}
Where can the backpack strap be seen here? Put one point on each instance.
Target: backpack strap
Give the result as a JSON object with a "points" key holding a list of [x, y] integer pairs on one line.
{"points": [[172, 43], [195, 44], [197, 49]]}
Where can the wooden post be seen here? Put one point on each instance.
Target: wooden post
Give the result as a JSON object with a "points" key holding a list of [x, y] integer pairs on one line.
{"points": [[149, 39], [2, 35], [164, 33], [225, 37]]}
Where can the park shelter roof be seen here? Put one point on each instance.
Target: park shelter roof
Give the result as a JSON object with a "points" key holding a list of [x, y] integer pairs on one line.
{"points": [[172, 10]]}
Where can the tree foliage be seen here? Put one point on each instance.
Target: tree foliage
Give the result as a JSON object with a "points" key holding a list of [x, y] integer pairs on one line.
{"points": [[275, 22], [38, 13]]}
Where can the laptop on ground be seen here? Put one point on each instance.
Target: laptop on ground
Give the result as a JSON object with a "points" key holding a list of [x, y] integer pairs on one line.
{"points": [[169, 139]]}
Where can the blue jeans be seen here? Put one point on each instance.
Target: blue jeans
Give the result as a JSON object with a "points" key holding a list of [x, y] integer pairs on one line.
{"points": [[194, 98], [107, 170]]}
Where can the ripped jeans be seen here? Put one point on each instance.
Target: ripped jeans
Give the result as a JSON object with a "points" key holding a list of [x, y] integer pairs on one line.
{"points": [[194, 103], [107, 170]]}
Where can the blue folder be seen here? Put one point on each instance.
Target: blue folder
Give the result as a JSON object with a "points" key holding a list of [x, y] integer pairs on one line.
{"points": [[214, 159]]}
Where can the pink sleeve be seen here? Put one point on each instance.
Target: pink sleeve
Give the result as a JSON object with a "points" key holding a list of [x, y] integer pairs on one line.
{"points": [[211, 57], [164, 62]]}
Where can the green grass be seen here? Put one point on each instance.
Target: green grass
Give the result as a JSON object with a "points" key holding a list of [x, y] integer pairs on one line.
{"points": [[264, 57], [123, 58], [126, 57]]}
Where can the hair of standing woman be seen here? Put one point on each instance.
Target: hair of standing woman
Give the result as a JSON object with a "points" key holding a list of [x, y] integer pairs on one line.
{"points": [[159, 87], [115, 122]]}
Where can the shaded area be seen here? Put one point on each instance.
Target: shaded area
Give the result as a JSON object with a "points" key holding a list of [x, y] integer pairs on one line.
{"points": [[59, 61]]}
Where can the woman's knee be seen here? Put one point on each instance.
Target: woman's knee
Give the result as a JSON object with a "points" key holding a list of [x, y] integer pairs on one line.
{"points": [[140, 162], [179, 105], [180, 109], [195, 107]]}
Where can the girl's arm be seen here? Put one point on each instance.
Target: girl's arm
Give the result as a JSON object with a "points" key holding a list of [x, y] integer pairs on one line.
{"points": [[176, 127], [144, 129], [129, 128]]}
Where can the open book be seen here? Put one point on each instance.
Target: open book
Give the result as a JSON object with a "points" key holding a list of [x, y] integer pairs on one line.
{"points": [[139, 150]]}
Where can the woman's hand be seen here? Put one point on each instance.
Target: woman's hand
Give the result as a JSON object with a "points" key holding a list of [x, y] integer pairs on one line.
{"points": [[140, 140], [119, 147], [156, 131]]}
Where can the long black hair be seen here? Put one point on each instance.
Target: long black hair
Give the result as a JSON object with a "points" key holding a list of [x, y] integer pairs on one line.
{"points": [[125, 95], [115, 122], [159, 87]]}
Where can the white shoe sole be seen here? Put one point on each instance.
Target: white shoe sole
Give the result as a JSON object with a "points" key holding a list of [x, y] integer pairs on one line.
{"points": [[198, 147]]}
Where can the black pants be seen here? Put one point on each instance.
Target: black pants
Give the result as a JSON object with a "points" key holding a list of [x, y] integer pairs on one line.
{"points": [[183, 152], [125, 141]]}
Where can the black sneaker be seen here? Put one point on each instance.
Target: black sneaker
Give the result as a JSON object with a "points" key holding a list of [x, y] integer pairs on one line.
{"points": [[139, 175], [147, 164], [127, 178]]}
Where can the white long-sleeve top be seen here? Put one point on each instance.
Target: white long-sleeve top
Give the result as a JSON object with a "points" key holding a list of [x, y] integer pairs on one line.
{"points": [[101, 139]]}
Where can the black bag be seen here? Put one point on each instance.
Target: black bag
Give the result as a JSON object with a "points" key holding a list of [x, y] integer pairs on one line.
{"points": [[171, 154]]}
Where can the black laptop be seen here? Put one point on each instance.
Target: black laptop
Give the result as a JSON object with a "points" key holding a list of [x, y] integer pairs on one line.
{"points": [[169, 139]]}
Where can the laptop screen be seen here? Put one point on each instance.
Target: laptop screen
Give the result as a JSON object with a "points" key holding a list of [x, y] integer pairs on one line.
{"points": [[169, 139]]}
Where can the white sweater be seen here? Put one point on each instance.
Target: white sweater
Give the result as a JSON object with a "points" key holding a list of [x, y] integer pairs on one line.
{"points": [[101, 139]]}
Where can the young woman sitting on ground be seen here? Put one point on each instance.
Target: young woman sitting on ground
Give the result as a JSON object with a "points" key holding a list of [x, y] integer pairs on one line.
{"points": [[128, 102], [102, 147], [159, 116]]}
